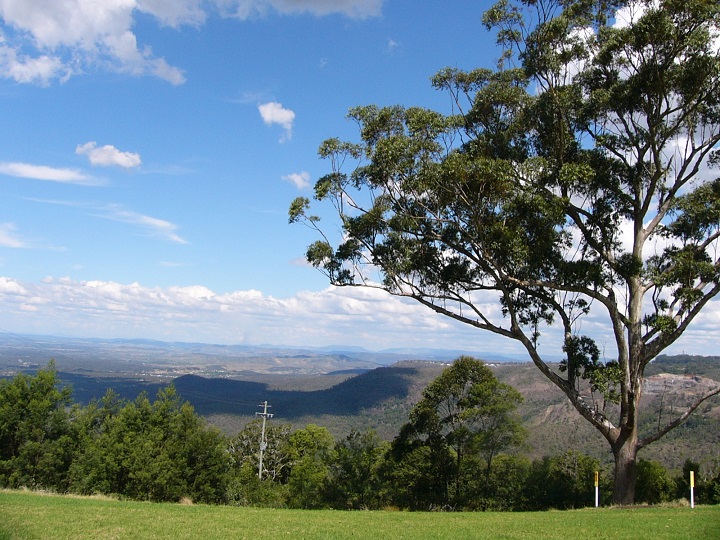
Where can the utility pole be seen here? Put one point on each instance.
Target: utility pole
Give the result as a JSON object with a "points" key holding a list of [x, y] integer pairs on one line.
{"points": [[265, 415]]}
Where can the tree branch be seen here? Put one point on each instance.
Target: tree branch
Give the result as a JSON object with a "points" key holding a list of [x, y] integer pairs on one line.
{"points": [[675, 423]]}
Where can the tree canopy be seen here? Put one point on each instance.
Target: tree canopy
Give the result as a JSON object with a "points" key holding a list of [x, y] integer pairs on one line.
{"points": [[574, 178], [465, 416]]}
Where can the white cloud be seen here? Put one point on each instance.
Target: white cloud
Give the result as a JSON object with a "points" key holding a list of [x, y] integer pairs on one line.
{"points": [[98, 308], [357, 9], [43, 172], [630, 13], [161, 69], [174, 12], [24, 69], [46, 40], [108, 155], [154, 227], [151, 225], [8, 238], [347, 316], [66, 36], [274, 113], [12, 287], [300, 180]]}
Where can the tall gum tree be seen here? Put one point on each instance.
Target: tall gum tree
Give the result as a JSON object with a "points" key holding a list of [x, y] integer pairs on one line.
{"points": [[573, 179]]}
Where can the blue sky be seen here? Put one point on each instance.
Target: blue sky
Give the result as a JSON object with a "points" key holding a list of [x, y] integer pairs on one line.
{"points": [[149, 150]]}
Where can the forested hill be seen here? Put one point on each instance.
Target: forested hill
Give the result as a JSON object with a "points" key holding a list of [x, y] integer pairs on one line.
{"points": [[357, 398], [382, 399], [685, 364]]}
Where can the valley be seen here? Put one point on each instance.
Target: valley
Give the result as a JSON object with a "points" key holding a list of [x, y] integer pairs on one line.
{"points": [[359, 390]]}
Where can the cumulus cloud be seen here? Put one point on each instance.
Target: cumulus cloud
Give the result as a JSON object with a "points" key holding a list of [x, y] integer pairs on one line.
{"points": [[98, 308], [25, 69], [50, 174], [274, 113], [63, 37], [108, 155], [46, 40], [174, 13], [347, 316], [300, 180]]}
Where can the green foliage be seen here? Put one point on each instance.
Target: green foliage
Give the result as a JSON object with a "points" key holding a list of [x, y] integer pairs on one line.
{"points": [[36, 440], [654, 484], [160, 451], [245, 488], [244, 450], [587, 130], [309, 450], [712, 492], [682, 481], [163, 451], [464, 412], [582, 361], [562, 482], [356, 472], [506, 488]]}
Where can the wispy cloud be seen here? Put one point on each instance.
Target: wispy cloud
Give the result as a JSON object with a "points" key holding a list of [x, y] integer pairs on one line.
{"points": [[300, 180], [356, 9], [50, 174], [152, 226], [9, 237], [108, 155], [274, 113]]}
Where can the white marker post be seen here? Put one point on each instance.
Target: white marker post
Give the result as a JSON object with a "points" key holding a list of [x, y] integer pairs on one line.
{"points": [[692, 489], [597, 490]]}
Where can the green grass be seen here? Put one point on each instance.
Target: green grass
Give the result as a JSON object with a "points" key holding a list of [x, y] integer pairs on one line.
{"points": [[25, 515]]}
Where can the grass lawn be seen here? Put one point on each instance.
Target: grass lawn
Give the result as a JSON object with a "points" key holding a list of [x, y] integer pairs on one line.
{"points": [[26, 515]]}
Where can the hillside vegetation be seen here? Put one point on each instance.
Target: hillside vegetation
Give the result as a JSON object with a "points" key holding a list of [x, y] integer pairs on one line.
{"points": [[457, 441], [382, 398]]}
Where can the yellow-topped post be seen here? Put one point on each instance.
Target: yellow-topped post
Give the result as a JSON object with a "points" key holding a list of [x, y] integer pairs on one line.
{"points": [[692, 489], [597, 489]]}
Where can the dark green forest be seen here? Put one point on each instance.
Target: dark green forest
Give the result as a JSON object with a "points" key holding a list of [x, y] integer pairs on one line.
{"points": [[461, 448]]}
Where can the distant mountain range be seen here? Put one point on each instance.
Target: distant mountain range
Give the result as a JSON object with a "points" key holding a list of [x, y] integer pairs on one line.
{"points": [[126, 355]]}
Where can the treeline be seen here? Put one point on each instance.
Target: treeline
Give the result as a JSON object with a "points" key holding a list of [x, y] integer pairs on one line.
{"points": [[459, 450]]}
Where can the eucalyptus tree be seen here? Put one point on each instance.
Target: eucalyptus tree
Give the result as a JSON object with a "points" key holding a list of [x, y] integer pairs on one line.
{"points": [[573, 179], [356, 467], [465, 412], [310, 451]]}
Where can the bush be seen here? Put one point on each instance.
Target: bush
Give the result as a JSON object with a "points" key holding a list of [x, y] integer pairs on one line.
{"points": [[654, 484]]}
